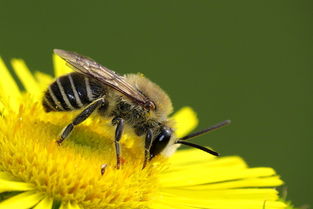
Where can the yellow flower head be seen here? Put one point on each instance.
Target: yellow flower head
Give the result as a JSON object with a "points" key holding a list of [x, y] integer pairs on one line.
{"points": [[37, 173]]}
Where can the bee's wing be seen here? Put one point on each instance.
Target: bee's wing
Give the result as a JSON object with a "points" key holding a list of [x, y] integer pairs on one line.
{"points": [[92, 69]]}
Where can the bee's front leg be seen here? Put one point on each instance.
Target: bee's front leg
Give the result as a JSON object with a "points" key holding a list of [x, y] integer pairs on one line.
{"points": [[119, 122], [148, 143]]}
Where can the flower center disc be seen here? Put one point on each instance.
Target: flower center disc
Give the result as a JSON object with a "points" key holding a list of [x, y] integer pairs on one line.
{"points": [[72, 171]]}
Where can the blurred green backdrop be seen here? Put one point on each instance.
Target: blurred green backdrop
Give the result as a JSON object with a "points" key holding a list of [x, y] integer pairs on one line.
{"points": [[249, 61]]}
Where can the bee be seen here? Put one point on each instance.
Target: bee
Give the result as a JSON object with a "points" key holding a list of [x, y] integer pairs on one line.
{"points": [[130, 100]]}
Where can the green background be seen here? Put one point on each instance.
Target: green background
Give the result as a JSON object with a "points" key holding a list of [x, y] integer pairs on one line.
{"points": [[248, 61]]}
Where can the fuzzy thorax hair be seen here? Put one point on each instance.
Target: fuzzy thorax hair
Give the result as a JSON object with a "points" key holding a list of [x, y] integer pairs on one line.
{"points": [[154, 93]]}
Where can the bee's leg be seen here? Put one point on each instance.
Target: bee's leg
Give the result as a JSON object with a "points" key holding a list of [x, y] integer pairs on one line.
{"points": [[148, 143], [80, 118], [119, 122]]}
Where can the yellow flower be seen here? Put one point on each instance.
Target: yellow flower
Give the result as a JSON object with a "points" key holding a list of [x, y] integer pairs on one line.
{"points": [[36, 173]]}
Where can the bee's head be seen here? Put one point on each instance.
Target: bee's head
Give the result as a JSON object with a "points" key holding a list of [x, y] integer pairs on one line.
{"points": [[165, 142]]}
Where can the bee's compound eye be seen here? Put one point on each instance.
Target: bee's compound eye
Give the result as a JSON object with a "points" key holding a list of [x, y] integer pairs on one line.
{"points": [[160, 142]]}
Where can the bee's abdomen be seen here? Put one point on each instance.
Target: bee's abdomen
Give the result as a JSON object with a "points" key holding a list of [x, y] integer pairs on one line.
{"points": [[70, 92]]}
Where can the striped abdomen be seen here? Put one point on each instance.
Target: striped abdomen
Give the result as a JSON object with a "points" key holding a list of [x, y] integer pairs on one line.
{"points": [[70, 92]]}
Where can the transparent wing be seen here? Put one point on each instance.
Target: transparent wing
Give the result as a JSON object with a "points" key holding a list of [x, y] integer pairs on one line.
{"points": [[92, 69]]}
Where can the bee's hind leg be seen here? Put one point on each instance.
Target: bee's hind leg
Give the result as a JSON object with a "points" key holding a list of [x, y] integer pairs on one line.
{"points": [[80, 118], [119, 122]]}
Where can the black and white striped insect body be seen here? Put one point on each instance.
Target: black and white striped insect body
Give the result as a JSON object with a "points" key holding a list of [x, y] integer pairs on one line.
{"points": [[71, 92]]}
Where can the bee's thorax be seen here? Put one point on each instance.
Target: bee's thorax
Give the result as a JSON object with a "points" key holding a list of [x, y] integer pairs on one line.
{"points": [[134, 115]]}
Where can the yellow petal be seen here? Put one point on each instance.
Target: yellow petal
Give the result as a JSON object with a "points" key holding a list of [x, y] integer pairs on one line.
{"points": [[234, 162], [73, 206], [242, 183], [21, 201], [44, 80], [248, 194], [213, 175], [169, 205], [185, 120], [63, 205], [45, 203], [60, 67], [159, 205], [228, 203], [190, 156], [69, 205], [26, 77], [9, 90], [10, 183], [6, 176], [7, 186], [217, 170]]}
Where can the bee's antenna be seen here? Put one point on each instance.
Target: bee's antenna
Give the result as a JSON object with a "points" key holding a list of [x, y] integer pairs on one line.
{"points": [[212, 128], [197, 147]]}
